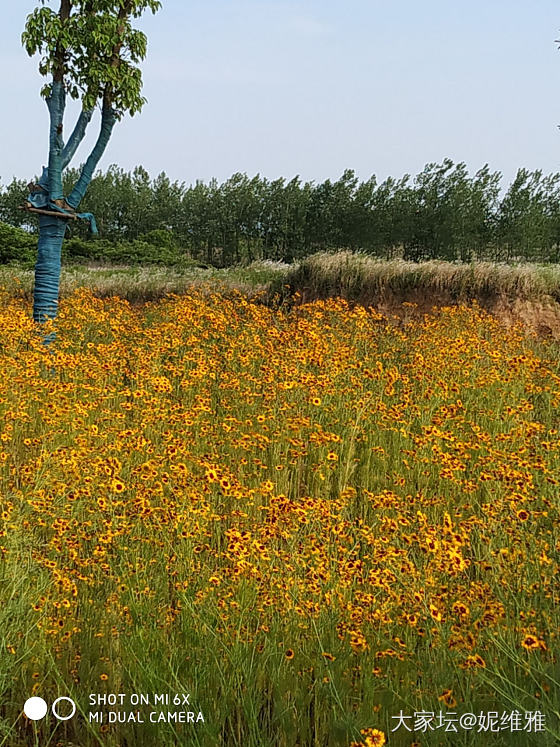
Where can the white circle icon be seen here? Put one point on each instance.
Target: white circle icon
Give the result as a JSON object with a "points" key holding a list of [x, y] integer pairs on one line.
{"points": [[55, 712], [35, 708]]}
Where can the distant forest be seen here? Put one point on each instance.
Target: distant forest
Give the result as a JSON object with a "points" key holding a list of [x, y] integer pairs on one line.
{"points": [[442, 213]]}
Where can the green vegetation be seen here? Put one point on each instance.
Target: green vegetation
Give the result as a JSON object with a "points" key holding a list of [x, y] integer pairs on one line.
{"points": [[442, 213], [16, 245], [138, 284]]}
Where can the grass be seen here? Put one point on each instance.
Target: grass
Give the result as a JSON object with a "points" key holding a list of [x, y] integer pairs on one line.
{"points": [[306, 519], [364, 279], [139, 284], [353, 276]]}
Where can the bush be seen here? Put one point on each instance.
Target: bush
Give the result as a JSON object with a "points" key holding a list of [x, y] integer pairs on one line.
{"points": [[141, 252], [78, 249], [16, 245], [136, 252], [160, 237]]}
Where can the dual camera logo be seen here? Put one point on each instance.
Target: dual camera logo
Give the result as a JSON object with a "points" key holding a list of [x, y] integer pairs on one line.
{"points": [[36, 708]]}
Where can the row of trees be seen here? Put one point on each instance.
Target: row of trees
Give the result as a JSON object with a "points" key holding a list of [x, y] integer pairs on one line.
{"points": [[442, 213]]}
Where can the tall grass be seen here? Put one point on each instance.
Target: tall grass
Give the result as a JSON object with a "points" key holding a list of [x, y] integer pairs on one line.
{"points": [[148, 283], [364, 279], [353, 276]]}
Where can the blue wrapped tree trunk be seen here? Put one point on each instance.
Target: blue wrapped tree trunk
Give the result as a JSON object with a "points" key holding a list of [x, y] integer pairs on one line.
{"points": [[89, 51], [47, 268]]}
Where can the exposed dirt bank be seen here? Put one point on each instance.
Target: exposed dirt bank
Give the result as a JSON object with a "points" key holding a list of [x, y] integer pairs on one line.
{"points": [[540, 316]]}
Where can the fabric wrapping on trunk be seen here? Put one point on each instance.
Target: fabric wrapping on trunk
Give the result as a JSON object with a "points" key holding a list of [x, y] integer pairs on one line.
{"points": [[47, 268]]}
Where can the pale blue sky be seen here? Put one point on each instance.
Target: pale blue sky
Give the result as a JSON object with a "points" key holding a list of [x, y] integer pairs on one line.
{"points": [[312, 87]]}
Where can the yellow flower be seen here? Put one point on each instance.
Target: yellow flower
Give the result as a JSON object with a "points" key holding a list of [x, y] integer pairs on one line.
{"points": [[435, 613], [475, 660], [531, 642], [373, 737], [447, 698]]}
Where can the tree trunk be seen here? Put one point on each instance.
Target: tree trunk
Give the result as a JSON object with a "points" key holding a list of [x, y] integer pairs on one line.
{"points": [[47, 268], [52, 229]]}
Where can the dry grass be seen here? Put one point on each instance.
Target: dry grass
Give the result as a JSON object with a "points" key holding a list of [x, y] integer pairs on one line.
{"points": [[148, 283], [353, 276], [367, 280]]}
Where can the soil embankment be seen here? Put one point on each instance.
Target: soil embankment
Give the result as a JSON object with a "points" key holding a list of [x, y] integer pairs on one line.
{"points": [[524, 293], [541, 316]]}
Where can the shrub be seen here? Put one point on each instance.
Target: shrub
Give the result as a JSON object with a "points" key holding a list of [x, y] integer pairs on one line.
{"points": [[16, 245], [160, 237]]}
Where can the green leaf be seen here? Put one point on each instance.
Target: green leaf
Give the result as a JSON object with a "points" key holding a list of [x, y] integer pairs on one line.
{"points": [[95, 48]]}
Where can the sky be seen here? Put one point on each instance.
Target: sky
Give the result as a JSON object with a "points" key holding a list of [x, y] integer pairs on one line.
{"points": [[314, 87]]}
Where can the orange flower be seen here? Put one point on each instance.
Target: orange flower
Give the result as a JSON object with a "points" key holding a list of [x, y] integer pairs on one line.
{"points": [[447, 698], [531, 642], [373, 737]]}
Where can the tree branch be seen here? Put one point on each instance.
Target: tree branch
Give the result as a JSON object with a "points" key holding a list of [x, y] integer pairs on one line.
{"points": [[56, 103], [115, 57], [64, 15], [108, 119], [76, 137]]}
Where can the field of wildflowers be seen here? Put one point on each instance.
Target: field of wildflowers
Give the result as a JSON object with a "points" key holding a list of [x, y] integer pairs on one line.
{"points": [[308, 520]]}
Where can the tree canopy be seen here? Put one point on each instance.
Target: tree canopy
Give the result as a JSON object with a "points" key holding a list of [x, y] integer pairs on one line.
{"points": [[92, 47]]}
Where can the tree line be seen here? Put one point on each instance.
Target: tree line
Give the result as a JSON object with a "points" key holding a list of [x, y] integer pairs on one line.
{"points": [[441, 213]]}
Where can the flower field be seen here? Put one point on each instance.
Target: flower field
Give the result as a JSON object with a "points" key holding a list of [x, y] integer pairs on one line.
{"points": [[308, 519]]}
